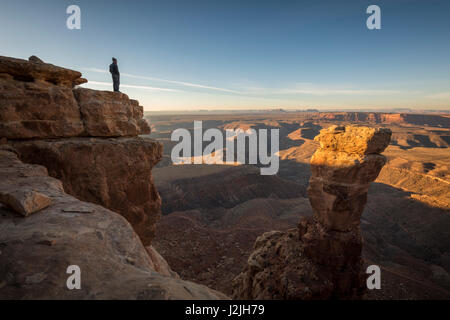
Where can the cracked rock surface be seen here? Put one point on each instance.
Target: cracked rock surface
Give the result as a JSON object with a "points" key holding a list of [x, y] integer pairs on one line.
{"points": [[35, 251]]}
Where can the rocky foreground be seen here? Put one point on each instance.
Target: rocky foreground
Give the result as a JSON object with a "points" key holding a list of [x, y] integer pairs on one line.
{"points": [[36, 251]]}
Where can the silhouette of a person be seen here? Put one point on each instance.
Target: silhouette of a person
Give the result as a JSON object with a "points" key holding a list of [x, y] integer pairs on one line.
{"points": [[114, 69]]}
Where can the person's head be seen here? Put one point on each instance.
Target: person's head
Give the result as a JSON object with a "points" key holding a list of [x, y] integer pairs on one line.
{"points": [[114, 60]]}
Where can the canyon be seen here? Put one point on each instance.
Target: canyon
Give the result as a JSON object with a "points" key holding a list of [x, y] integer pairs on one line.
{"points": [[404, 224]]}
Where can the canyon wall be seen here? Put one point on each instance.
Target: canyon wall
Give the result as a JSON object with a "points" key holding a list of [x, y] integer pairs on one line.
{"points": [[86, 138], [321, 258]]}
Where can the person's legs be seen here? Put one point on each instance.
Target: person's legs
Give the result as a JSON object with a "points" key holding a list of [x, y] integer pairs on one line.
{"points": [[116, 83]]}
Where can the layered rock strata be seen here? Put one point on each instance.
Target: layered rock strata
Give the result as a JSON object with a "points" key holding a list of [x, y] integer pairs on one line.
{"points": [[40, 100], [321, 259], [86, 138]]}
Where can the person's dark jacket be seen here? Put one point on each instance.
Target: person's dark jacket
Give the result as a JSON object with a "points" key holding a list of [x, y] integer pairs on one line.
{"points": [[114, 69]]}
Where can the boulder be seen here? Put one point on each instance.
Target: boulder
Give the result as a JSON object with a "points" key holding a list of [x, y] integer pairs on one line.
{"points": [[16, 195], [25, 201], [35, 59], [35, 69], [353, 139]]}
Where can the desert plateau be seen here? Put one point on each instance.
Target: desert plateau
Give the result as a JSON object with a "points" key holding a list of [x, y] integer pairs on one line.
{"points": [[224, 159]]}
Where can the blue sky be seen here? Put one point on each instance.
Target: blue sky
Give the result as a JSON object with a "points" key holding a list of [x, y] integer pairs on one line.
{"points": [[245, 54]]}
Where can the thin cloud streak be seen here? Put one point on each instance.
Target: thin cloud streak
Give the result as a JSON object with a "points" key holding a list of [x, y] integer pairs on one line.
{"points": [[187, 84], [100, 83], [299, 89]]}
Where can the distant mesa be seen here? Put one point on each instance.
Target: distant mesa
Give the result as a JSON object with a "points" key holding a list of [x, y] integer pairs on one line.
{"points": [[386, 118]]}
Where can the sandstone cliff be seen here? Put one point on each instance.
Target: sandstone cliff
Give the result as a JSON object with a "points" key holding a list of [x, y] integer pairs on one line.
{"points": [[86, 138], [321, 258], [58, 139]]}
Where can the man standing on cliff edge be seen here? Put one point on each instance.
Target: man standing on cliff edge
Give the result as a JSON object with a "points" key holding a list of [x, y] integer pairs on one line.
{"points": [[114, 69]]}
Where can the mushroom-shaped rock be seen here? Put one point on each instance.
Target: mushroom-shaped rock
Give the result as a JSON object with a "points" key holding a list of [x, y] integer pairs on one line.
{"points": [[321, 259]]}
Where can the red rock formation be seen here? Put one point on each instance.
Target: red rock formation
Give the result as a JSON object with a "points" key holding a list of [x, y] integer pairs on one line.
{"points": [[37, 110], [37, 250], [109, 114], [39, 101], [89, 140], [342, 167], [321, 259]]}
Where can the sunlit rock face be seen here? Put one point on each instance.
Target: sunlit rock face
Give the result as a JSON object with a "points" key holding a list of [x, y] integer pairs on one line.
{"points": [[40, 100], [109, 114], [86, 138], [342, 167], [321, 258]]}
